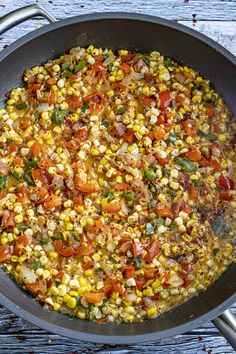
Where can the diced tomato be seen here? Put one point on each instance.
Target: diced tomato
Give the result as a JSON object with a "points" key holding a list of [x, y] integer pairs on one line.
{"points": [[186, 208], [5, 253], [159, 133], [73, 102], [162, 161], [39, 287], [146, 100], [127, 57], [24, 124], [82, 134], [225, 196], [165, 282], [85, 187], [3, 194], [22, 195], [165, 98], [126, 68], [215, 164], [36, 149], [179, 99], [138, 66], [78, 200], [46, 163], [88, 265], [24, 240], [35, 87], [210, 110], [203, 162], [150, 273], [52, 97], [113, 285], [51, 81], [112, 208], [96, 97], [139, 283], [52, 202], [99, 57], [122, 187], [63, 250], [226, 183], [189, 127], [193, 192], [118, 86], [152, 251], [129, 136], [84, 249], [94, 298], [187, 280], [39, 176], [186, 268], [98, 66], [12, 148], [18, 161], [128, 271], [193, 154], [8, 218], [164, 212], [137, 248]]}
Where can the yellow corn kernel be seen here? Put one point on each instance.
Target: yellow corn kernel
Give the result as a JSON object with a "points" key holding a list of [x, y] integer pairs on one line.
{"points": [[53, 255], [54, 290], [151, 312]]}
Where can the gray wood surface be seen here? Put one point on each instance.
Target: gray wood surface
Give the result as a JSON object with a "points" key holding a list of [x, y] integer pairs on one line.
{"points": [[214, 18]]}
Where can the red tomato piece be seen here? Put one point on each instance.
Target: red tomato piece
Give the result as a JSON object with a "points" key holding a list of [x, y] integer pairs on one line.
{"points": [[63, 250], [94, 298], [210, 110], [164, 212], [150, 273], [22, 195], [129, 136], [8, 218], [52, 202], [226, 183], [122, 187], [126, 68], [98, 66], [39, 287], [165, 98], [36, 149], [193, 154], [225, 196], [193, 192], [82, 134], [189, 127], [152, 251], [5, 253], [128, 271]]}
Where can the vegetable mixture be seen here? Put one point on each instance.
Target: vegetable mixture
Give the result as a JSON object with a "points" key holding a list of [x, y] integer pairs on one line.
{"points": [[117, 173]]}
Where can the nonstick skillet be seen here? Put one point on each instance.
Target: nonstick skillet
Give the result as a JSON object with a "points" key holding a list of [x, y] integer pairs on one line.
{"points": [[134, 32]]}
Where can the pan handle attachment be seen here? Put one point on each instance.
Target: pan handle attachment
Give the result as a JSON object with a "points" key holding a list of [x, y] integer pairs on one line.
{"points": [[24, 13], [226, 324]]}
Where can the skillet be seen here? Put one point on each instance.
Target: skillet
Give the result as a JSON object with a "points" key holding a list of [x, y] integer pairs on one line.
{"points": [[141, 33]]}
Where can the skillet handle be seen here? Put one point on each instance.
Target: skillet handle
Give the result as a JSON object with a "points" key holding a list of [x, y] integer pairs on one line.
{"points": [[24, 13], [226, 324]]}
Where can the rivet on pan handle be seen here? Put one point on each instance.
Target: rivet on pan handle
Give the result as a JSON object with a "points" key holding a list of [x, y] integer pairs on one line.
{"points": [[20, 15], [226, 324]]}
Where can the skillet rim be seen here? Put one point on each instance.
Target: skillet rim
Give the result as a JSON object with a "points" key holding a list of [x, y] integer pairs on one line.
{"points": [[117, 339]]}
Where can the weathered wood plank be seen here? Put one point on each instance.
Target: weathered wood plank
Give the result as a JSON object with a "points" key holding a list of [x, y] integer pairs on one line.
{"points": [[187, 344], [173, 9], [222, 32]]}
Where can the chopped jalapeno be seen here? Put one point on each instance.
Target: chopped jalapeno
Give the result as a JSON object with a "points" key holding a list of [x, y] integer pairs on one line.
{"points": [[129, 196], [58, 116], [218, 223], [85, 106], [22, 105], [208, 136], [36, 265], [187, 165], [3, 182], [80, 66], [150, 175]]}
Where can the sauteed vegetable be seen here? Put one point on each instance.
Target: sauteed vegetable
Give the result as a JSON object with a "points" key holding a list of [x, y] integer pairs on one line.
{"points": [[117, 184]]}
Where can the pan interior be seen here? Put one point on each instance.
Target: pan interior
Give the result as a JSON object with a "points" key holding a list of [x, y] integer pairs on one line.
{"points": [[140, 33]]}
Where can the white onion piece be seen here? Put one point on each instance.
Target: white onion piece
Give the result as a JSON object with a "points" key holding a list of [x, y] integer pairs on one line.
{"points": [[27, 275], [3, 169], [109, 59]]}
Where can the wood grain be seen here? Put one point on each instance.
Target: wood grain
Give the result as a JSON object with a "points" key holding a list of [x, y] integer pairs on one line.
{"points": [[172, 9], [216, 19]]}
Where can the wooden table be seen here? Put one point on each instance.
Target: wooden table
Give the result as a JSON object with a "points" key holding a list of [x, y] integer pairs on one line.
{"points": [[215, 18]]}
